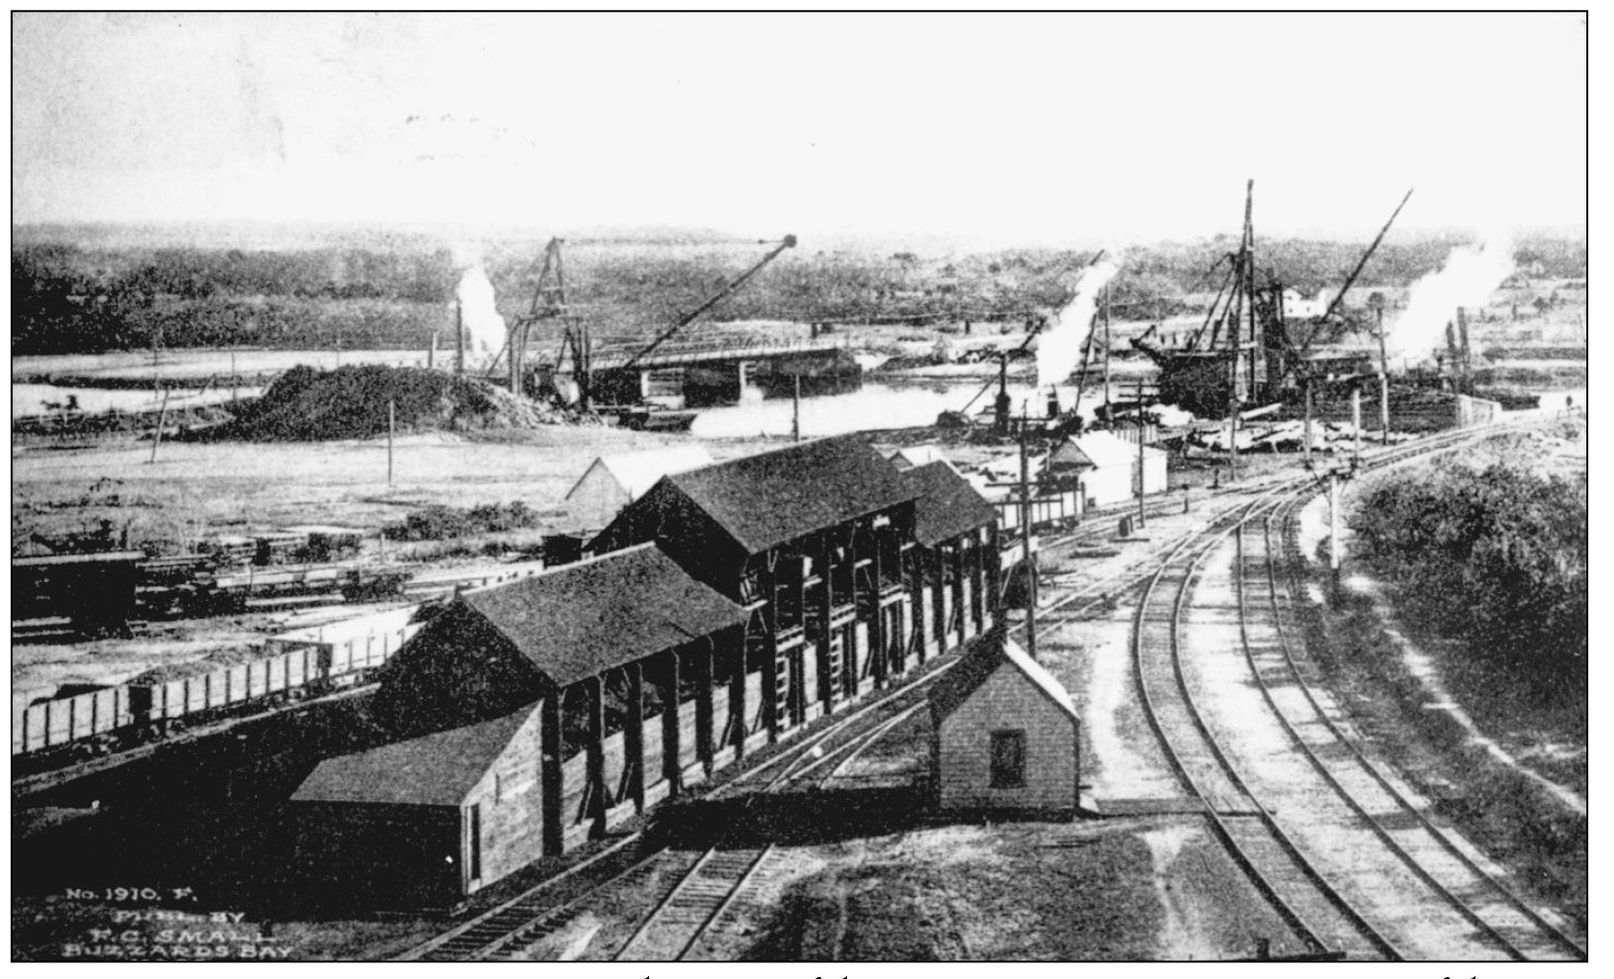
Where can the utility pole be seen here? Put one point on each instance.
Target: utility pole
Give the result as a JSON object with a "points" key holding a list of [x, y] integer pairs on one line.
{"points": [[1107, 352], [392, 425], [157, 436], [1307, 442], [795, 410], [1356, 422], [1384, 380], [1141, 487], [1333, 524], [1025, 540]]}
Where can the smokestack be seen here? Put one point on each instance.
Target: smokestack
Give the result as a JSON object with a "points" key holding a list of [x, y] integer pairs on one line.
{"points": [[1053, 403], [1462, 334], [1451, 354]]}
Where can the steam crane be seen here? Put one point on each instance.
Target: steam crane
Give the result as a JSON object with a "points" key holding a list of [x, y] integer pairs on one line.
{"points": [[576, 355]]}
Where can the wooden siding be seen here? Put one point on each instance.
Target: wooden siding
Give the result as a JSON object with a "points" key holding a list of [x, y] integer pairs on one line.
{"points": [[962, 760], [510, 795]]}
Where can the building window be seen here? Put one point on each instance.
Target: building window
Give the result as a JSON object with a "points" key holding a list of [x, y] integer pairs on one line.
{"points": [[498, 788], [1008, 759]]}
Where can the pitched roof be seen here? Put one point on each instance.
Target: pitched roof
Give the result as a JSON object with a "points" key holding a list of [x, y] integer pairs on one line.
{"points": [[1098, 449], [947, 506], [772, 497], [437, 770], [636, 472], [971, 672], [915, 455], [583, 618]]}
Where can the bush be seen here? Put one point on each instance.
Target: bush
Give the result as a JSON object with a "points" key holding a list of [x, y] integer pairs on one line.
{"points": [[1498, 556], [439, 522]]}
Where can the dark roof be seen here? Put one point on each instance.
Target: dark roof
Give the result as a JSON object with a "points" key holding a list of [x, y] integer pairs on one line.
{"points": [[947, 506], [579, 620], [772, 497], [436, 770], [980, 663]]}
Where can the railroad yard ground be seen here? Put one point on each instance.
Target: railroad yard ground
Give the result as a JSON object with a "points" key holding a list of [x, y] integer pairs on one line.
{"points": [[1016, 890]]}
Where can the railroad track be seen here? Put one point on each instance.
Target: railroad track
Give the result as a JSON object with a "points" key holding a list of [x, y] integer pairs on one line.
{"points": [[1323, 918], [1321, 915], [690, 891], [1446, 867], [695, 894]]}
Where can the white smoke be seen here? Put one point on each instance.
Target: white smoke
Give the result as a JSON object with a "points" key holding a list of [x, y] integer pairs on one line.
{"points": [[485, 329], [1059, 346], [1468, 277]]}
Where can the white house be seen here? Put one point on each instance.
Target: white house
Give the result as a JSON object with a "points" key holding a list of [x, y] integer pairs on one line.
{"points": [[1107, 467], [1005, 735], [613, 481]]}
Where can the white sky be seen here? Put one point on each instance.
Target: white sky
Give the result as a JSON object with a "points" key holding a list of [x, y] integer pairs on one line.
{"points": [[1034, 129]]}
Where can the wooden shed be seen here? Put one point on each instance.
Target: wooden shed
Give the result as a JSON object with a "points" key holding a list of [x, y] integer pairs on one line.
{"points": [[425, 822], [1004, 735], [1107, 467], [613, 481]]}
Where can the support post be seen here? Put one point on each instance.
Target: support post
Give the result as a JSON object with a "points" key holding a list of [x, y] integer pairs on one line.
{"points": [[1333, 523], [672, 766], [826, 603], [880, 665], [705, 714], [599, 796], [1384, 380], [549, 745], [737, 705], [633, 733], [1107, 351]]}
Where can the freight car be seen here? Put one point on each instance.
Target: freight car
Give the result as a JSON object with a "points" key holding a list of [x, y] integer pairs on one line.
{"points": [[291, 666]]}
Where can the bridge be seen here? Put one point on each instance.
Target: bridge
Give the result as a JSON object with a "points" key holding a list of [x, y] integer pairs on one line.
{"points": [[615, 354]]}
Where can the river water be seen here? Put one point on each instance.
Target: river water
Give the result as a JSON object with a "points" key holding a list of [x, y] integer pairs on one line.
{"points": [[879, 404]]}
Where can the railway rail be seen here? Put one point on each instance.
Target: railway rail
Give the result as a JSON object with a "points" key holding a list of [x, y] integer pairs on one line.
{"points": [[1430, 851], [1321, 914], [692, 894]]}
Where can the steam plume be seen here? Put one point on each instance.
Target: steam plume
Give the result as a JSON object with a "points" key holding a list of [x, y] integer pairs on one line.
{"points": [[1059, 347], [484, 328], [1468, 277]]}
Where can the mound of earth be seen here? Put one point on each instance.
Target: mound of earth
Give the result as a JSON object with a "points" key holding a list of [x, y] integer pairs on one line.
{"points": [[305, 404]]}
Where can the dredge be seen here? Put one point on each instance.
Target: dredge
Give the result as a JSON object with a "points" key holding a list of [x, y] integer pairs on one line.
{"points": [[1247, 354]]}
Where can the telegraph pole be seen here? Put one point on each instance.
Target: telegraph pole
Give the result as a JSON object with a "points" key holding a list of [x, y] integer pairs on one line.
{"points": [[795, 410], [1141, 487], [392, 425], [1384, 380], [1025, 541]]}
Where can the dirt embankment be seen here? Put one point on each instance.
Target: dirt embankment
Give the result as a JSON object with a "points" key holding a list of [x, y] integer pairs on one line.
{"points": [[353, 402]]}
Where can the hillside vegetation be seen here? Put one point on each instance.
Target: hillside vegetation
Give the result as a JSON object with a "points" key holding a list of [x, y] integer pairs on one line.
{"points": [[83, 298]]}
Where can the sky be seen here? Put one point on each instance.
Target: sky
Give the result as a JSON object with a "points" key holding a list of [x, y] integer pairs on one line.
{"points": [[1035, 130]]}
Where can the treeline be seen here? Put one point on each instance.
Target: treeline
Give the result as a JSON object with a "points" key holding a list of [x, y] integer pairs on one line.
{"points": [[1497, 556], [68, 299]]}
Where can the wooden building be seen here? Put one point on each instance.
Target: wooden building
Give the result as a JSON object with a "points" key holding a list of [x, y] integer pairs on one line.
{"points": [[814, 539], [628, 660], [425, 822], [1005, 735], [1107, 468], [613, 481], [954, 569]]}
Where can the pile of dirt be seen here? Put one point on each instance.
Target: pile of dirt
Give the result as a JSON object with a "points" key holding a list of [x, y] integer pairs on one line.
{"points": [[311, 405], [215, 660]]}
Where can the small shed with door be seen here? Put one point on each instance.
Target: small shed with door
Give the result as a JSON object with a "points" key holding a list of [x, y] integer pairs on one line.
{"points": [[1005, 735], [426, 822], [1107, 468], [613, 481]]}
